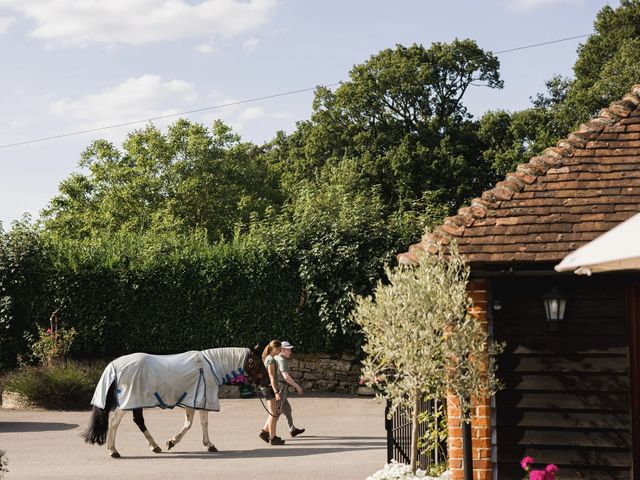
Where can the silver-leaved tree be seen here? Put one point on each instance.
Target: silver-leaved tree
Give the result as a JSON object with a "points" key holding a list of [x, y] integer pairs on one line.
{"points": [[421, 340]]}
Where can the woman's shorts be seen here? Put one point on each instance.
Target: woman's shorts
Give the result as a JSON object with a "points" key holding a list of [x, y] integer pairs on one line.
{"points": [[268, 393]]}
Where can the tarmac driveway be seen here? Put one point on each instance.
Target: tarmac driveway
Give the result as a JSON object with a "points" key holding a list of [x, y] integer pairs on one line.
{"points": [[345, 440]]}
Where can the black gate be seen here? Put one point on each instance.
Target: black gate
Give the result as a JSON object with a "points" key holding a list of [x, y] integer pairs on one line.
{"points": [[399, 436]]}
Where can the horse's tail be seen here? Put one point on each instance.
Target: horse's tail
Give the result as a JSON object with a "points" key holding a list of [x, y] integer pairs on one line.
{"points": [[98, 427]]}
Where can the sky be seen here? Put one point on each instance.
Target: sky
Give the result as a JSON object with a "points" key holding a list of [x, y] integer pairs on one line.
{"points": [[73, 65]]}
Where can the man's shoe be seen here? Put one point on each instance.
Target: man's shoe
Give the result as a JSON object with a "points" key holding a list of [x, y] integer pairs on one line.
{"points": [[264, 436], [276, 441], [297, 431]]}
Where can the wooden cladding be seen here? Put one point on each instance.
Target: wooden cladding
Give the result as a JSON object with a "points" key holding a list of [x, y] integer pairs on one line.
{"points": [[567, 396]]}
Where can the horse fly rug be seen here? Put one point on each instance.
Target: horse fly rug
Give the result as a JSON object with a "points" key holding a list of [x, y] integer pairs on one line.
{"points": [[189, 379]]}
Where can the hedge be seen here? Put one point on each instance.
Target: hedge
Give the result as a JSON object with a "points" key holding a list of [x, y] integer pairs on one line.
{"points": [[129, 293]]}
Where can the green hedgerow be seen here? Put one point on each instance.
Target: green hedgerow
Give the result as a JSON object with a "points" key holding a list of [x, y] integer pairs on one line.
{"points": [[67, 385]]}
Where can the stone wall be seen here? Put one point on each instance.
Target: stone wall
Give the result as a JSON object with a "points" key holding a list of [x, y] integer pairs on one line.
{"points": [[320, 372]]}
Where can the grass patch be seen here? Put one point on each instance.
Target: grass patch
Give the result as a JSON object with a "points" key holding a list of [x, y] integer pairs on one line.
{"points": [[65, 386]]}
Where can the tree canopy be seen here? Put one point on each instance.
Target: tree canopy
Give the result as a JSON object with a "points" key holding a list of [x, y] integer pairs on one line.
{"points": [[401, 118], [186, 179]]}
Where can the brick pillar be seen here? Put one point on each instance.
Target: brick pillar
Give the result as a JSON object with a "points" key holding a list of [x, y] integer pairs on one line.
{"points": [[481, 415]]}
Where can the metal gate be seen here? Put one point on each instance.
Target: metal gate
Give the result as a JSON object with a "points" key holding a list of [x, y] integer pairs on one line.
{"points": [[399, 436]]}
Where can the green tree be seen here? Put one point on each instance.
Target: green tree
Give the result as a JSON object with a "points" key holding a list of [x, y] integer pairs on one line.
{"points": [[608, 63], [421, 341], [338, 239], [401, 118], [189, 178]]}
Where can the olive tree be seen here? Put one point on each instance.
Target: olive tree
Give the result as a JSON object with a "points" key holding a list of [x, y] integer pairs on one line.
{"points": [[420, 339]]}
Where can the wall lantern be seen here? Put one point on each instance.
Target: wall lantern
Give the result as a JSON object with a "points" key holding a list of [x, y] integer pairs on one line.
{"points": [[554, 307]]}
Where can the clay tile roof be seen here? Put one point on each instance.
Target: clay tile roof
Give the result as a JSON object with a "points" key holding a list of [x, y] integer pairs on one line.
{"points": [[558, 201]]}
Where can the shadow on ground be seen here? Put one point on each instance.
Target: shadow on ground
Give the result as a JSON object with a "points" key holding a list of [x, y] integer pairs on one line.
{"points": [[8, 427], [312, 447]]}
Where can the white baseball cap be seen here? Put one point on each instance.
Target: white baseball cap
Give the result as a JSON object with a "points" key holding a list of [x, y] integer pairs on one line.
{"points": [[285, 344]]}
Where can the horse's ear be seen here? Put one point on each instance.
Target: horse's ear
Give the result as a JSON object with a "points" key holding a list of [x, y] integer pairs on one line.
{"points": [[255, 348]]}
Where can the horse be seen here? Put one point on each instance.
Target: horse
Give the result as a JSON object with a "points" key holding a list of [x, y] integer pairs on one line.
{"points": [[189, 380]]}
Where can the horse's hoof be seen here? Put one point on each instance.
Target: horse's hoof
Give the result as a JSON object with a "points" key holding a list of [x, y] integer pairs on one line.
{"points": [[156, 450], [170, 445], [115, 455], [212, 448]]}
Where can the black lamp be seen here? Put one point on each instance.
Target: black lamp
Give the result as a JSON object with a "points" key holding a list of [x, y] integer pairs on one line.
{"points": [[555, 304]]}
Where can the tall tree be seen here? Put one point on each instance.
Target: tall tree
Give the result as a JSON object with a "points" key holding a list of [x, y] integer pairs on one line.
{"points": [[401, 117], [189, 178]]}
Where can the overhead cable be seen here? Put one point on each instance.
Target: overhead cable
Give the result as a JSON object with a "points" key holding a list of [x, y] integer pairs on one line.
{"points": [[240, 102]]}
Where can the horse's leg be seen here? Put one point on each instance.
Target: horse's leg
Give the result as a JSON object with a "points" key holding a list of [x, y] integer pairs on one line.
{"points": [[138, 418], [188, 421], [114, 422], [204, 421]]}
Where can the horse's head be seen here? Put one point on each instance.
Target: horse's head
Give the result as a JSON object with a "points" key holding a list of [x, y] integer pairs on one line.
{"points": [[255, 368]]}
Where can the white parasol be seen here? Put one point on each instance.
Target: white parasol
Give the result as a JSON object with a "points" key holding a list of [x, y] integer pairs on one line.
{"points": [[617, 249]]}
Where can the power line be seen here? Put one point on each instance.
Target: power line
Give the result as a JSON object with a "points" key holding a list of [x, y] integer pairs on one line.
{"points": [[160, 117], [543, 43], [566, 39], [240, 102]]}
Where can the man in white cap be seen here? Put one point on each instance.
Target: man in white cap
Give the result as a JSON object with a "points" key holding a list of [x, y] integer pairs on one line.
{"points": [[283, 373]]}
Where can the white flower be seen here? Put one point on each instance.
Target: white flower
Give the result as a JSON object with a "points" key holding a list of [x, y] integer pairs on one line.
{"points": [[400, 471]]}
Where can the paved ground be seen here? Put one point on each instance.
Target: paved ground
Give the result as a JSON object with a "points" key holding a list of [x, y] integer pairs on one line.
{"points": [[345, 441]]}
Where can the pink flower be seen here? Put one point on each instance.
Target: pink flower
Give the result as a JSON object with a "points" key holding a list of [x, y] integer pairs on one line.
{"points": [[550, 472], [526, 462], [49, 331], [537, 475]]}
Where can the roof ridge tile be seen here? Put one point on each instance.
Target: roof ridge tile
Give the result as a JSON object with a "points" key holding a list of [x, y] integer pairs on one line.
{"points": [[608, 116], [631, 98], [575, 140]]}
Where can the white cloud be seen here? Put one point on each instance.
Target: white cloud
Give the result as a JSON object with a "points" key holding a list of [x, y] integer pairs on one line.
{"points": [[251, 113], [148, 96], [5, 22], [251, 44], [246, 119], [134, 99], [205, 48], [133, 22], [528, 5]]}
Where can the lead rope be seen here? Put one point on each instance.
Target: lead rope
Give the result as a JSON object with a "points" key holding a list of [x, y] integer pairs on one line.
{"points": [[278, 403]]}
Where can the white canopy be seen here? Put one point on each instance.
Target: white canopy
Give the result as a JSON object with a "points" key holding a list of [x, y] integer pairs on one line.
{"points": [[617, 249]]}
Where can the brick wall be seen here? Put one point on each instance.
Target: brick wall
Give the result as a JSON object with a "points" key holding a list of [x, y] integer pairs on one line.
{"points": [[481, 419]]}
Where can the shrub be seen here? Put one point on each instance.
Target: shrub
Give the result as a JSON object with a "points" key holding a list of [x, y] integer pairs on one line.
{"points": [[65, 386], [52, 345]]}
